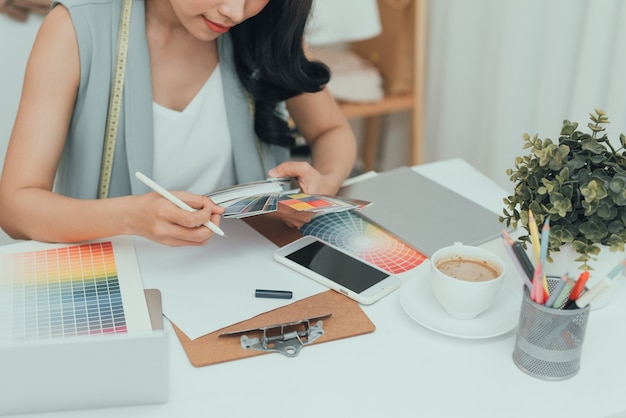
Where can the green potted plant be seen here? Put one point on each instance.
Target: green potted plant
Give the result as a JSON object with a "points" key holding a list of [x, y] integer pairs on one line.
{"points": [[579, 182]]}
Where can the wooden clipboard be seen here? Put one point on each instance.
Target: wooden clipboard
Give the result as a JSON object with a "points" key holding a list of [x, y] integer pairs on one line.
{"points": [[347, 318]]}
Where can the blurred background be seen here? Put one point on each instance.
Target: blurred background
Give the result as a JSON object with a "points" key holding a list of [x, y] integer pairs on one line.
{"points": [[423, 81]]}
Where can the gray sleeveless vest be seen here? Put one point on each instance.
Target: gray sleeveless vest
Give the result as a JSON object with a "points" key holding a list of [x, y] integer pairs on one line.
{"points": [[96, 23]]}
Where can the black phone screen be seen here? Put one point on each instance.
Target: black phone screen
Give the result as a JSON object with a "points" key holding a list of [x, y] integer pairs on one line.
{"points": [[341, 268]]}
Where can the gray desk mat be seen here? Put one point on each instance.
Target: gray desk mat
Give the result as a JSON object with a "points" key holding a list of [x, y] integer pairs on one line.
{"points": [[423, 213]]}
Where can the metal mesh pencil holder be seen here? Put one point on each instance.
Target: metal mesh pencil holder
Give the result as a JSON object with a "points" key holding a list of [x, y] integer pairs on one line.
{"points": [[549, 341]]}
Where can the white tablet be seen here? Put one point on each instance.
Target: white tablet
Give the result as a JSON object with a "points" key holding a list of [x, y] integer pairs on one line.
{"points": [[337, 269]]}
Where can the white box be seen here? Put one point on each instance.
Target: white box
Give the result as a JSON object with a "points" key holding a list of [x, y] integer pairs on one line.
{"points": [[82, 372]]}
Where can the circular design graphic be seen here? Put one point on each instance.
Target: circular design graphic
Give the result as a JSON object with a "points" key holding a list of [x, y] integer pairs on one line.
{"points": [[357, 236]]}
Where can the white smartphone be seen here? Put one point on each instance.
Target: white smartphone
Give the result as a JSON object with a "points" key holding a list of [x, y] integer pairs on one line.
{"points": [[337, 269]]}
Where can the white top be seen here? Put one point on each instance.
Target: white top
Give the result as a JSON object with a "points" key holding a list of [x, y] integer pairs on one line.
{"points": [[192, 148]]}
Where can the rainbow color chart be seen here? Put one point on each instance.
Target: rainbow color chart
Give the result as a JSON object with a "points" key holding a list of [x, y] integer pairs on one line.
{"points": [[356, 235], [61, 291]]}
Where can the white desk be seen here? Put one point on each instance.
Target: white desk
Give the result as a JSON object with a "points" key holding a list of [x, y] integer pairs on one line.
{"points": [[402, 369]]}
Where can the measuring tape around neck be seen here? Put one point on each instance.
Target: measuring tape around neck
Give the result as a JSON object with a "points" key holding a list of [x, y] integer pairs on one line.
{"points": [[115, 102]]}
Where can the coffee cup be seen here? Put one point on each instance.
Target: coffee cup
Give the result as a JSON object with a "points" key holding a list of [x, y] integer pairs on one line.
{"points": [[465, 279]]}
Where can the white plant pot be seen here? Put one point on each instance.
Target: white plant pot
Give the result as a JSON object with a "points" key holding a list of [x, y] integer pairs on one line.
{"points": [[563, 262]]}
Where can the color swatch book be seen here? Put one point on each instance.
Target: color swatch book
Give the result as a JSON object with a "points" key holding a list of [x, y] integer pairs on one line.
{"points": [[228, 195], [259, 197], [302, 202], [63, 290]]}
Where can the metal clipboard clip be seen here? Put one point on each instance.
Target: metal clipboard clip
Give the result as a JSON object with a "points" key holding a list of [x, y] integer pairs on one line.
{"points": [[287, 338]]}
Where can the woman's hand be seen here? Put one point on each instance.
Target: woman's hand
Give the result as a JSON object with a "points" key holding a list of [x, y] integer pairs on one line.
{"points": [[163, 222], [293, 218], [309, 179]]}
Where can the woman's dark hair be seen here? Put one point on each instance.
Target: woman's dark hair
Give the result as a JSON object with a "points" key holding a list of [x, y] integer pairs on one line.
{"points": [[272, 65]]}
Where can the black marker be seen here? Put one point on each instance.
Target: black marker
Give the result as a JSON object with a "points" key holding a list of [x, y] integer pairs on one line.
{"points": [[273, 294], [527, 265]]}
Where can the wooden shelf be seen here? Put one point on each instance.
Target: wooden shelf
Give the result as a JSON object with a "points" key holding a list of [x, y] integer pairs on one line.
{"points": [[371, 112], [411, 102], [389, 104]]}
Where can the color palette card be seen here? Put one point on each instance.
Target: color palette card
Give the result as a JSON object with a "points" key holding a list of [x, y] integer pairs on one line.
{"points": [[56, 290], [256, 198], [357, 236], [303, 202], [228, 195], [249, 206]]}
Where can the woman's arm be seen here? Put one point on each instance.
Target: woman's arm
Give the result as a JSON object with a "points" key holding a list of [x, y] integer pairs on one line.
{"points": [[28, 207], [330, 137]]}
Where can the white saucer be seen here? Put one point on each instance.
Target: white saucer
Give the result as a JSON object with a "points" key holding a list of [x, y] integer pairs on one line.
{"points": [[419, 302]]}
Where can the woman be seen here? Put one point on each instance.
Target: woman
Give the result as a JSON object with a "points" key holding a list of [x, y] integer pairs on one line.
{"points": [[201, 109]]}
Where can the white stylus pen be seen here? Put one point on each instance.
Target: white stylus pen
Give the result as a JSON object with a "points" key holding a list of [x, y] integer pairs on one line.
{"points": [[169, 196]]}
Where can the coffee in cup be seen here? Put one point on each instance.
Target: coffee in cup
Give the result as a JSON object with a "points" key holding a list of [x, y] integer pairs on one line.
{"points": [[468, 269], [466, 279]]}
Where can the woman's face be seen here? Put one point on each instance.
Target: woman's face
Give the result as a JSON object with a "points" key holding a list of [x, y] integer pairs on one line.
{"points": [[207, 19]]}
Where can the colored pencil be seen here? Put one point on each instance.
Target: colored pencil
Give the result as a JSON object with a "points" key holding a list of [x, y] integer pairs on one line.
{"points": [[543, 250], [556, 291], [534, 234], [509, 246]]}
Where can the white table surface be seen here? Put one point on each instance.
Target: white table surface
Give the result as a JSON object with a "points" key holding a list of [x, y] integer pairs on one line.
{"points": [[402, 369]]}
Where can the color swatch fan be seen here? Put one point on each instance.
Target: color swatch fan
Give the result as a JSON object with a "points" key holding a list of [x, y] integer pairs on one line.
{"points": [[302, 202], [259, 197]]}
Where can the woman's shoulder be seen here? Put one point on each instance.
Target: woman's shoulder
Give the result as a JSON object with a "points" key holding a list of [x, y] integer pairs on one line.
{"points": [[92, 20], [84, 9], [83, 3]]}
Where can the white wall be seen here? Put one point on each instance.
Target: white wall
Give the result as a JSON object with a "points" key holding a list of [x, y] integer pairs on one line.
{"points": [[16, 39], [500, 68]]}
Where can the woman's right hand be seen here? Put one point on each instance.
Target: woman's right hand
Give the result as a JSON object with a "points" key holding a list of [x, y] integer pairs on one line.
{"points": [[159, 220]]}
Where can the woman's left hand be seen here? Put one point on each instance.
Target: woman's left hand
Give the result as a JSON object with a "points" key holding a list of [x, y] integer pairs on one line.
{"points": [[309, 179], [293, 218]]}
